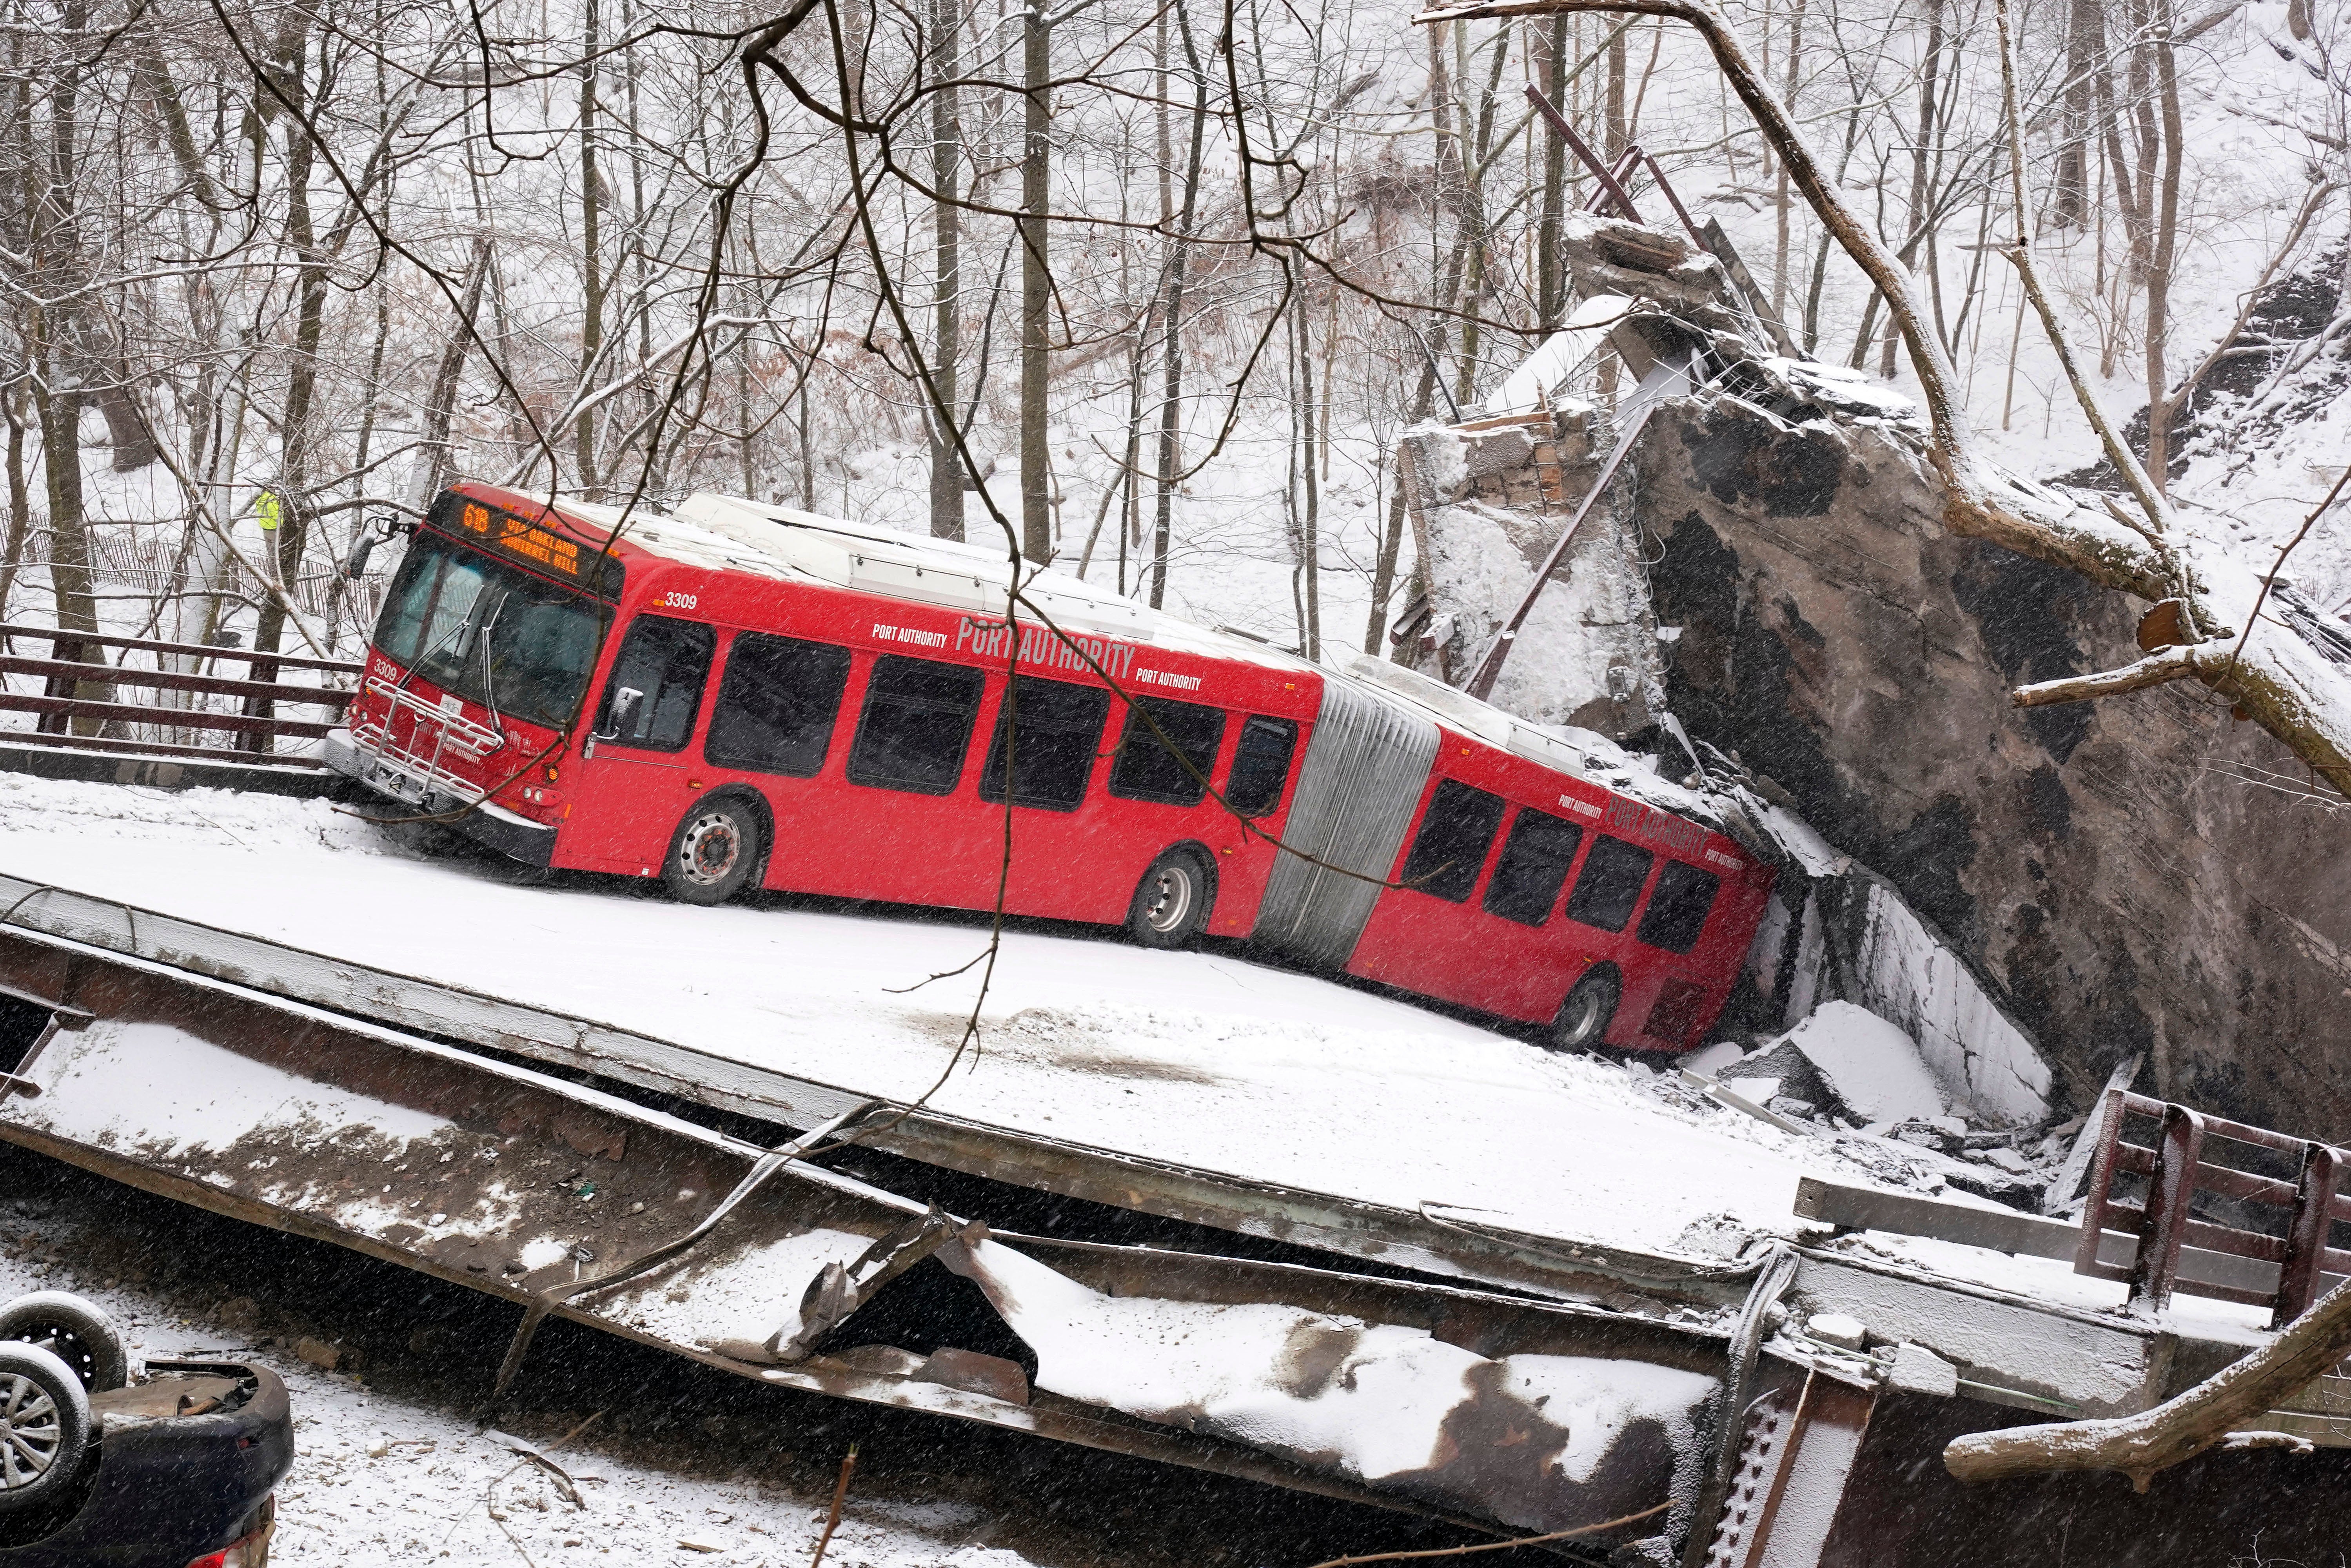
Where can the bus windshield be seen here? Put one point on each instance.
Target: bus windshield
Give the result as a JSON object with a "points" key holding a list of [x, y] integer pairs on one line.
{"points": [[499, 636]]}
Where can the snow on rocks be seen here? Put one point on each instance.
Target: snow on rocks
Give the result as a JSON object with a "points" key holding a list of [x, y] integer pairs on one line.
{"points": [[1853, 393]]}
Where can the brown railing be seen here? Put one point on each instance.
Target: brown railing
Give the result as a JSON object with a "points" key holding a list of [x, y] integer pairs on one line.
{"points": [[2281, 1220], [76, 661]]}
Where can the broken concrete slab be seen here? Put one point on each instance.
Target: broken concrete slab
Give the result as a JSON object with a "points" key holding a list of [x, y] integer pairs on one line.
{"points": [[1842, 930], [1871, 1067]]}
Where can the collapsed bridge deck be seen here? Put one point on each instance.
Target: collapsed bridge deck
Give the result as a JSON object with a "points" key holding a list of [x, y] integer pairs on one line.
{"points": [[1234, 1098]]}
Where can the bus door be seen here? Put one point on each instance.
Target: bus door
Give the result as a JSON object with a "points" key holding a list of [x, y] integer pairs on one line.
{"points": [[909, 829], [1675, 994], [1045, 751], [638, 773]]}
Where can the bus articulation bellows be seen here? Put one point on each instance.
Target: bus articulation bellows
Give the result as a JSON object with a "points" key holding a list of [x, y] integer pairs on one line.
{"points": [[737, 694]]}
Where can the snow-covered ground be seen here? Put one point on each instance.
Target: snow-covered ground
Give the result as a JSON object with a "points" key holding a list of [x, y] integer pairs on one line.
{"points": [[1202, 1059]]}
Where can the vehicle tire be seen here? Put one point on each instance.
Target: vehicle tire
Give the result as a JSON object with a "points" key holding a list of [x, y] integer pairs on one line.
{"points": [[72, 1330], [714, 851], [44, 1429], [1172, 903], [1591, 1007]]}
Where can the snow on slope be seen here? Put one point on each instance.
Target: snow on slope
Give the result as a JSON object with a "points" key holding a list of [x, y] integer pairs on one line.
{"points": [[1200, 1057]]}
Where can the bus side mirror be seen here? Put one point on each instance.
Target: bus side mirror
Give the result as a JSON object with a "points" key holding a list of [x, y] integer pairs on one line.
{"points": [[364, 546], [622, 713]]}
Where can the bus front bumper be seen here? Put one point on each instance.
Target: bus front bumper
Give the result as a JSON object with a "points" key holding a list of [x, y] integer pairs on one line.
{"points": [[491, 827]]}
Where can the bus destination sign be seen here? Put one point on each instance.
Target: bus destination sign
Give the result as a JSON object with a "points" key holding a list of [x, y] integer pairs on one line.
{"points": [[513, 535], [543, 548]]}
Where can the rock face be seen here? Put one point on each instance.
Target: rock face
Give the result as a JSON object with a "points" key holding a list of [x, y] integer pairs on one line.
{"points": [[2141, 873]]}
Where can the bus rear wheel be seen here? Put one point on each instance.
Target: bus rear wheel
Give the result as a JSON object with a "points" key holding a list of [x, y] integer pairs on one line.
{"points": [[1171, 907], [1590, 1008], [713, 852]]}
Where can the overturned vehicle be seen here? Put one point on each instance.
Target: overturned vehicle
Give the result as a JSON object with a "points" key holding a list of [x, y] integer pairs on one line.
{"points": [[173, 1465]]}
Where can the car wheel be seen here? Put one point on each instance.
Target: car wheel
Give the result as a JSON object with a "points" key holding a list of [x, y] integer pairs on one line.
{"points": [[72, 1330], [44, 1427], [1171, 907], [713, 852], [1591, 1007]]}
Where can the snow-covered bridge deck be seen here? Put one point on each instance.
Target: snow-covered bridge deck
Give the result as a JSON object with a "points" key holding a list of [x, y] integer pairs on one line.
{"points": [[1199, 1060], [1198, 1085]]}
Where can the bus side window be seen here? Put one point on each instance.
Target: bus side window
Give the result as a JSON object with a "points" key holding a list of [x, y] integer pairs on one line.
{"points": [[1611, 883], [1452, 843], [1261, 765], [777, 705], [665, 662], [1678, 908], [1534, 863], [917, 725], [1057, 726], [1145, 769]]}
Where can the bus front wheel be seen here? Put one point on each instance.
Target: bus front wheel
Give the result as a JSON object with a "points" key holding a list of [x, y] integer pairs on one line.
{"points": [[1171, 907], [1590, 1008], [713, 852]]}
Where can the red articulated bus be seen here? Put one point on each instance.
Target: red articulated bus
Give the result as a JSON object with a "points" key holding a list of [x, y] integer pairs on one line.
{"points": [[737, 694]]}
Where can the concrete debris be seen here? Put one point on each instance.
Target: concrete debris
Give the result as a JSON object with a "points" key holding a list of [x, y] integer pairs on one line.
{"points": [[1839, 1328], [1839, 931], [1712, 1059], [1915, 1369], [1852, 1060], [1613, 256]]}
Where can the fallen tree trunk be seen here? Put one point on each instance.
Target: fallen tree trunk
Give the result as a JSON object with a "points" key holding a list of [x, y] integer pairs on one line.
{"points": [[2215, 1412], [2268, 674]]}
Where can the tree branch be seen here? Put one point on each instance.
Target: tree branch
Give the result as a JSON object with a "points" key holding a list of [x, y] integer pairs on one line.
{"points": [[2171, 665], [2206, 1417]]}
